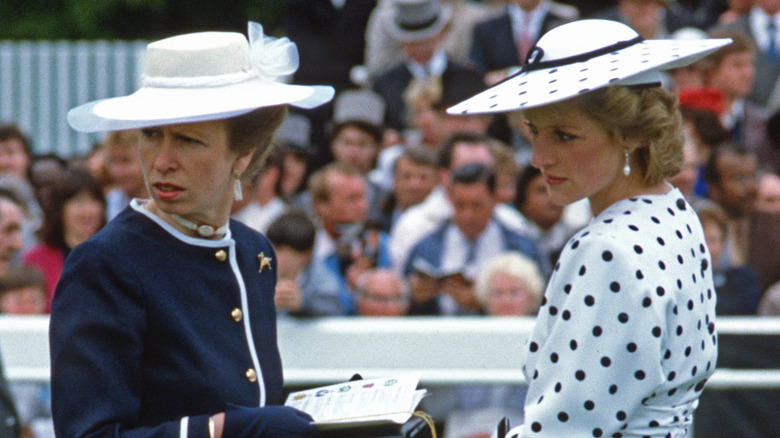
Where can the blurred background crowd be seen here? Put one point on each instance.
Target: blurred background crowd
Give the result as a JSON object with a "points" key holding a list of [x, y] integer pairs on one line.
{"points": [[382, 204]]}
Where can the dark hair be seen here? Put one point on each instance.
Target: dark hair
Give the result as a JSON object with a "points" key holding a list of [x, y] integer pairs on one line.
{"points": [[374, 131], [293, 229], [70, 184], [255, 131], [528, 174], [448, 146], [707, 125], [9, 131], [474, 173], [22, 276], [711, 175]]}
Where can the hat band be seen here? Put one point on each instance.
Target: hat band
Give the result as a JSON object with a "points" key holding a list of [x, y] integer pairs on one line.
{"points": [[535, 55], [418, 26], [199, 81]]}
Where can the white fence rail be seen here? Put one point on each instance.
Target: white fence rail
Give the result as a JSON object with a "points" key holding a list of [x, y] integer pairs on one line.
{"points": [[442, 350]]}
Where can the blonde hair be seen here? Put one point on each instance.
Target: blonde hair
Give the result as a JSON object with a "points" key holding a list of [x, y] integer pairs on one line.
{"points": [[646, 117], [515, 265]]}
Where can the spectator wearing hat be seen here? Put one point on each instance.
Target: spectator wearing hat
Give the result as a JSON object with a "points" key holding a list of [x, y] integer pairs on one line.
{"points": [[419, 26], [384, 52], [443, 266], [503, 42]]}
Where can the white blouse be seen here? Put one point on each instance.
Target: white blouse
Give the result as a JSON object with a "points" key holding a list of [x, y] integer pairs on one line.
{"points": [[625, 339]]}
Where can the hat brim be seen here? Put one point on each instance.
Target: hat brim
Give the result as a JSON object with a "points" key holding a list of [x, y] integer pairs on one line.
{"points": [[628, 66], [157, 106]]}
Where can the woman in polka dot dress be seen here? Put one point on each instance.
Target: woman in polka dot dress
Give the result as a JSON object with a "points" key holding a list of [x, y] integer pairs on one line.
{"points": [[625, 339]]}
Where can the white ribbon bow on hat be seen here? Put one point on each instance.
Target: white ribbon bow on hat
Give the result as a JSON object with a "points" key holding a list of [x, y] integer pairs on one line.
{"points": [[272, 57]]}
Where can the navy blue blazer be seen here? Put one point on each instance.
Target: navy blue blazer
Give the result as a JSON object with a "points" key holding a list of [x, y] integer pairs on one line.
{"points": [[431, 247], [151, 331]]}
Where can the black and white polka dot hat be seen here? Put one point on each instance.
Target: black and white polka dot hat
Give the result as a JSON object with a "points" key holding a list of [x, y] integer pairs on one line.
{"points": [[583, 56]]}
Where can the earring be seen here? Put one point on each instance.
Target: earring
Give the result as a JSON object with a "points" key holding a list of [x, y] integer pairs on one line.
{"points": [[627, 166], [238, 193]]}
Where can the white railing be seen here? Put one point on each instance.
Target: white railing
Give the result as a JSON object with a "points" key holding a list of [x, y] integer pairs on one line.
{"points": [[442, 350]]}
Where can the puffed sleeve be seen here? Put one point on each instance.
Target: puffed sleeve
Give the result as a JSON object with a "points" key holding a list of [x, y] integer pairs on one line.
{"points": [[96, 339], [596, 349]]}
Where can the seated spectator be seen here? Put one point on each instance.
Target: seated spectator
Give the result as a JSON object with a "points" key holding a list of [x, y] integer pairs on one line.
{"points": [[344, 242], [457, 151], [381, 292], [419, 26], [753, 236], [443, 266], [547, 224], [297, 152], [506, 170], [303, 287], [382, 52], [510, 284], [261, 204], [737, 287], [44, 173], [768, 195], [11, 217], [124, 170], [415, 175], [356, 134], [77, 211], [732, 71], [23, 292]]}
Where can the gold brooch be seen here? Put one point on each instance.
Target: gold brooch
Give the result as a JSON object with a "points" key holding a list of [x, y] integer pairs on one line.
{"points": [[264, 261]]}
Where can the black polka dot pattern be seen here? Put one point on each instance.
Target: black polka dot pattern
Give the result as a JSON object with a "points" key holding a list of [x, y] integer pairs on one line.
{"points": [[636, 279]]}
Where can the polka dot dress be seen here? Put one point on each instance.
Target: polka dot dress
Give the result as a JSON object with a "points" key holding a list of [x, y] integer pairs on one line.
{"points": [[625, 339]]}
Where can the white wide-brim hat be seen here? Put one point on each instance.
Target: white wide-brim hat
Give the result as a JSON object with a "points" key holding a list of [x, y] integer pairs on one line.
{"points": [[204, 76], [583, 56]]}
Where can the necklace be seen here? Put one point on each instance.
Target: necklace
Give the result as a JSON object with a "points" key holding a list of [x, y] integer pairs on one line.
{"points": [[203, 230]]}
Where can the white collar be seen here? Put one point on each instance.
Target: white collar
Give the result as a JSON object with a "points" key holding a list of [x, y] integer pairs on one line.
{"points": [[517, 16], [759, 20], [138, 205]]}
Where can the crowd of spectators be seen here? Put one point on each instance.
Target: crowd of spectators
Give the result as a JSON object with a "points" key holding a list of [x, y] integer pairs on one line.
{"points": [[382, 204]]}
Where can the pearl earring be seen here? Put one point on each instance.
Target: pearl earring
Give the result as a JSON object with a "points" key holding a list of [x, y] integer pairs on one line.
{"points": [[627, 166], [238, 193]]}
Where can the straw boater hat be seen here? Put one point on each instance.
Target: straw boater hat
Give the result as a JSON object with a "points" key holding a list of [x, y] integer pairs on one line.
{"points": [[583, 56], [417, 20], [204, 76]]}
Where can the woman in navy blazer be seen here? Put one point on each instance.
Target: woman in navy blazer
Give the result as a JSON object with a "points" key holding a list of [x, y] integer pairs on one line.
{"points": [[163, 323]]}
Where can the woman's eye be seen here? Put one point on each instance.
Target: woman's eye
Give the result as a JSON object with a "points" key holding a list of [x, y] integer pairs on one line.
{"points": [[563, 136], [149, 133]]}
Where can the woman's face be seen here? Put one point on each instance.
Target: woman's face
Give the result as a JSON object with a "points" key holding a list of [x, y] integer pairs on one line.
{"points": [[82, 216], [578, 159], [188, 169], [509, 296], [356, 148]]}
